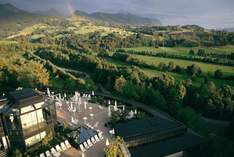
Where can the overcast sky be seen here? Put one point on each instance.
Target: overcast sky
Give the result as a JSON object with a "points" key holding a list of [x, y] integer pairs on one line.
{"points": [[209, 13]]}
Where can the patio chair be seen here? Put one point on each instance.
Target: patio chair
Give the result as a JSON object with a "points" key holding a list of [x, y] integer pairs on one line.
{"points": [[68, 145], [63, 146], [48, 154], [100, 107], [100, 135], [82, 148], [96, 138], [55, 153], [93, 140], [58, 148], [86, 145], [89, 143], [42, 155]]}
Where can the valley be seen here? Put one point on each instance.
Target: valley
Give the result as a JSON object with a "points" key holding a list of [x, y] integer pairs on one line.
{"points": [[186, 71]]}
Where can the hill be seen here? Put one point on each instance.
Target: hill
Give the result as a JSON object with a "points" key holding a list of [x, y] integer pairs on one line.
{"points": [[49, 12], [10, 12], [125, 19], [229, 29]]}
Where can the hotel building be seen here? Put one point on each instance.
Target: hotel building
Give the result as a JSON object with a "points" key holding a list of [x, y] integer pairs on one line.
{"points": [[26, 117]]}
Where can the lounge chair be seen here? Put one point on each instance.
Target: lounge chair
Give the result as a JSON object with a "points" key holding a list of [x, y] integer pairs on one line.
{"points": [[93, 140], [68, 145], [48, 154], [96, 138], [100, 135], [63, 146], [82, 148], [89, 143], [55, 153], [42, 155], [58, 148], [86, 145]]}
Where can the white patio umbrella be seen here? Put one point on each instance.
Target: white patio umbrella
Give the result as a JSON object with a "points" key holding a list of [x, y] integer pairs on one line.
{"points": [[85, 119], [107, 142], [115, 107], [91, 115], [123, 107], [85, 105], [109, 111], [48, 91]]}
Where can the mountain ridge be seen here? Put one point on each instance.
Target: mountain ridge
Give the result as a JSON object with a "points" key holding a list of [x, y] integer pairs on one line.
{"points": [[10, 12], [126, 19]]}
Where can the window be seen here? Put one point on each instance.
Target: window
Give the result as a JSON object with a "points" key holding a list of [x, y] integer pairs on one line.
{"points": [[35, 139], [30, 119]]}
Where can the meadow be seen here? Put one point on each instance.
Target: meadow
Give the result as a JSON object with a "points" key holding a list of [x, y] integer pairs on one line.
{"points": [[184, 50], [178, 77], [206, 68]]}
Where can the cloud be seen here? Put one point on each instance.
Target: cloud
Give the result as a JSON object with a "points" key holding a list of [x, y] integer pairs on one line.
{"points": [[205, 12]]}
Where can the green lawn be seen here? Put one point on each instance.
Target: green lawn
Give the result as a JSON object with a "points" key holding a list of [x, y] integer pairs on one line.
{"points": [[228, 70], [185, 51]]}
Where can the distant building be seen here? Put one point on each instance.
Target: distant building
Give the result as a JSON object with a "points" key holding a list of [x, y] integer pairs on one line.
{"points": [[157, 137], [26, 117]]}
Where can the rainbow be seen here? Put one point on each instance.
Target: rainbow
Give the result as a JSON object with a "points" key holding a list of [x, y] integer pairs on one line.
{"points": [[69, 6]]}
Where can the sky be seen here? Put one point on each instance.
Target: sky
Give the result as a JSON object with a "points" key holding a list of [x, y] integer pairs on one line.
{"points": [[207, 13]]}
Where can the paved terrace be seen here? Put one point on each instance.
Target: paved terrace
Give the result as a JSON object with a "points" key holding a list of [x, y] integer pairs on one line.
{"points": [[96, 116]]}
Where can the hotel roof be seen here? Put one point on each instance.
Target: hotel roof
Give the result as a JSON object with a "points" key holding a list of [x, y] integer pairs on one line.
{"points": [[18, 99], [141, 127], [24, 97], [157, 136], [167, 147]]}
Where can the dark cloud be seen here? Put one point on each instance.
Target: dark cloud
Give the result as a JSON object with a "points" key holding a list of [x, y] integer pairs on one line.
{"points": [[211, 13]]}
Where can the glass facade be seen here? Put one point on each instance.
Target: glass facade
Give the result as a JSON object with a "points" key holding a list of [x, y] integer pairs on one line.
{"points": [[28, 125], [35, 139]]}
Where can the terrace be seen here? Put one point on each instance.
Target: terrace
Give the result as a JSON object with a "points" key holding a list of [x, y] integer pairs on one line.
{"points": [[89, 121]]}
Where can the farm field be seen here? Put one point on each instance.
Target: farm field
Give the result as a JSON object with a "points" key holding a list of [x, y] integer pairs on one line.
{"points": [[178, 77], [184, 50], [206, 68]]}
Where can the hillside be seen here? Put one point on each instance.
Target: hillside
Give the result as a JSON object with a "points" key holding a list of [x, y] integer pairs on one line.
{"points": [[10, 12], [126, 19]]}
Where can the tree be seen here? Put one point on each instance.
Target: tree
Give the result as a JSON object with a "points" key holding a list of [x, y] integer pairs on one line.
{"points": [[171, 66], [201, 52], [218, 73], [181, 90], [130, 90], [194, 70], [191, 52], [119, 84], [162, 66], [113, 150], [17, 153], [153, 97]]}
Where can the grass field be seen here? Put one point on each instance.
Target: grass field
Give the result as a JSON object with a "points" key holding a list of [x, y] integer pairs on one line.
{"points": [[227, 70], [184, 50], [7, 42], [178, 77]]}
